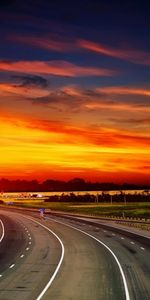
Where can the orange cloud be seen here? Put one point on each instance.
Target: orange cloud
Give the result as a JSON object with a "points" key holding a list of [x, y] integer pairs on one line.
{"points": [[93, 99], [52, 43], [59, 68], [62, 131], [134, 56], [29, 146], [55, 43], [7, 89], [131, 107], [124, 91]]}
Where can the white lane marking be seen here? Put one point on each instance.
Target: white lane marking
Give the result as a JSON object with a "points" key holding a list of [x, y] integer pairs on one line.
{"points": [[30, 243], [1, 275], [113, 254], [142, 248], [104, 230], [113, 234], [27, 248], [122, 238], [3, 231], [30, 238], [60, 261], [132, 243], [21, 256], [29, 234], [11, 266]]}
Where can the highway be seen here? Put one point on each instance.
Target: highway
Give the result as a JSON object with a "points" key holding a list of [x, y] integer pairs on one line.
{"points": [[63, 259], [30, 258]]}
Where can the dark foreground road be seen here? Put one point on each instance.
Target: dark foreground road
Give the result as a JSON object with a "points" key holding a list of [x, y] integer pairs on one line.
{"points": [[87, 270], [29, 268]]}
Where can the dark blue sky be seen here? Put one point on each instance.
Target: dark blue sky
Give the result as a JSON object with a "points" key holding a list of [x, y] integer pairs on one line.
{"points": [[112, 23]]}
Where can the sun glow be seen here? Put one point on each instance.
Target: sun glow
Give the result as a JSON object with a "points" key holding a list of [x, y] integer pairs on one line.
{"points": [[29, 150]]}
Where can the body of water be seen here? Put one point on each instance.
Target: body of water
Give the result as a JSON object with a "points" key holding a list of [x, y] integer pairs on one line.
{"points": [[46, 194]]}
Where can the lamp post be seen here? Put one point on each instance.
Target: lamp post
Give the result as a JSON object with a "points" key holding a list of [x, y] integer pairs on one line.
{"points": [[125, 202], [111, 199]]}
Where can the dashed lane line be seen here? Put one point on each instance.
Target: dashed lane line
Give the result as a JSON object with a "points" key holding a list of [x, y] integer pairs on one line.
{"points": [[60, 261], [127, 296], [11, 266], [142, 248]]}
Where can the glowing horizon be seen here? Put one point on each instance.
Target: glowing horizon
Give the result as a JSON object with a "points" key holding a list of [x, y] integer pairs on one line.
{"points": [[38, 149]]}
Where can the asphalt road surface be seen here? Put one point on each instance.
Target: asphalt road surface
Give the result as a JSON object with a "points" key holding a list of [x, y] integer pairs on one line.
{"points": [[62, 259]]}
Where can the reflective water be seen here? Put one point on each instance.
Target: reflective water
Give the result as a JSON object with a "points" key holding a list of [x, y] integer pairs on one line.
{"points": [[42, 194]]}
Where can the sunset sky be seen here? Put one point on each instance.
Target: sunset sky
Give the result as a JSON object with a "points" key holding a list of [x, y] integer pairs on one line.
{"points": [[75, 90]]}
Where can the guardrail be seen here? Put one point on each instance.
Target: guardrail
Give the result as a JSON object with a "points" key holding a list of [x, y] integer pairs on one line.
{"points": [[140, 238], [138, 225], [109, 218]]}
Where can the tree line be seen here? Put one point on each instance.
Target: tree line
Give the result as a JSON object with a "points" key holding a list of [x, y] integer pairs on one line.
{"points": [[100, 198], [76, 184]]}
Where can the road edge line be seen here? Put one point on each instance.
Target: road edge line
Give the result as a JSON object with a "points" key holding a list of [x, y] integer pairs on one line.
{"points": [[113, 254], [3, 231], [60, 261]]}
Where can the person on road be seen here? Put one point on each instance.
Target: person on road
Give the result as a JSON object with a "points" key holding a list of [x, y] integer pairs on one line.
{"points": [[42, 211]]}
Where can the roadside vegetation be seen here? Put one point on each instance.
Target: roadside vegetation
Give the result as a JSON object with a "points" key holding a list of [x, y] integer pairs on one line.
{"points": [[104, 205]]}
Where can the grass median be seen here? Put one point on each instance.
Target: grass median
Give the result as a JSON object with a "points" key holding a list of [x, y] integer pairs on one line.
{"points": [[132, 210]]}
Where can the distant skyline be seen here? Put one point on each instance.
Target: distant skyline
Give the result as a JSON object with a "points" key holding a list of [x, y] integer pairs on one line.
{"points": [[75, 90]]}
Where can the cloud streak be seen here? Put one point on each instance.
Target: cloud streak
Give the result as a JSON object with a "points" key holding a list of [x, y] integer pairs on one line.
{"points": [[49, 42], [73, 98], [29, 91], [54, 42], [114, 105], [30, 81], [57, 68], [96, 99], [63, 131], [134, 56], [119, 90], [47, 146]]}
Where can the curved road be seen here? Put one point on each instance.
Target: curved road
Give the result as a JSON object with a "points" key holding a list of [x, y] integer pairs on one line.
{"points": [[88, 270], [133, 256], [27, 263]]}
